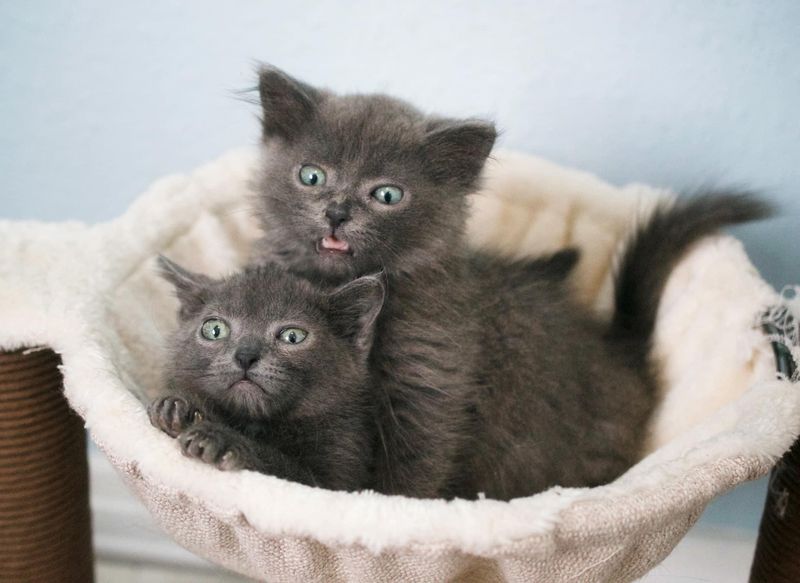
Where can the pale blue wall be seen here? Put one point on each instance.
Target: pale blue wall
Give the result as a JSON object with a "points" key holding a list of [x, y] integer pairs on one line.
{"points": [[99, 98]]}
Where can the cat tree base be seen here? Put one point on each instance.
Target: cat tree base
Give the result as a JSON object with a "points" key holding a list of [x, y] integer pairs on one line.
{"points": [[777, 556], [45, 523]]}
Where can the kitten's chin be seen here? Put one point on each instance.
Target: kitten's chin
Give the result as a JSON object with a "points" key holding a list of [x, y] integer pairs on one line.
{"points": [[249, 398], [247, 386]]}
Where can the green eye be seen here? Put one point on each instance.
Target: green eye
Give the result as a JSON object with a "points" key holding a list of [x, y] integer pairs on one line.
{"points": [[311, 175], [387, 194], [215, 329], [292, 335]]}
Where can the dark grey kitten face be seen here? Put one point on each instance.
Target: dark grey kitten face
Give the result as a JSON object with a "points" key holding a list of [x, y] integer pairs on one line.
{"points": [[263, 342], [355, 184]]}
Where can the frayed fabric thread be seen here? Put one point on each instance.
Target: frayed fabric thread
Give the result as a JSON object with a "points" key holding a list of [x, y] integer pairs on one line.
{"points": [[782, 326]]}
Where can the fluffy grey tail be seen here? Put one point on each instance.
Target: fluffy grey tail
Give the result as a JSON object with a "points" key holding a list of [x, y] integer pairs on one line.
{"points": [[658, 245]]}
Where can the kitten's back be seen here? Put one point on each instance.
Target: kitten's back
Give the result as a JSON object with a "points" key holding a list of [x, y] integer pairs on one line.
{"points": [[566, 398]]}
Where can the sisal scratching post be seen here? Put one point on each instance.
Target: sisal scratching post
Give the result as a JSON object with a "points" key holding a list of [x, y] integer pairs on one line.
{"points": [[45, 526]]}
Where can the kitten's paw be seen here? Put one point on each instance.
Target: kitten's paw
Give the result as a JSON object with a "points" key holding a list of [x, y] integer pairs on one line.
{"points": [[214, 444], [172, 415]]}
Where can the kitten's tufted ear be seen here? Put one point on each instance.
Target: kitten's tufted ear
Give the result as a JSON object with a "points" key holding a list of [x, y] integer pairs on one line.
{"points": [[287, 104], [454, 151], [191, 288], [354, 309]]}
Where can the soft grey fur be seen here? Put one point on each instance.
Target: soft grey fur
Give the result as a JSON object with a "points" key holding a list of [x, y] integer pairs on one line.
{"points": [[487, 378], [305, 413]]}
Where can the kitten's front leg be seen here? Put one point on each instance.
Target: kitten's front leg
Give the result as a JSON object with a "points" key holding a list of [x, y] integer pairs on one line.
{"points": [[227, 449], [172, 414]]}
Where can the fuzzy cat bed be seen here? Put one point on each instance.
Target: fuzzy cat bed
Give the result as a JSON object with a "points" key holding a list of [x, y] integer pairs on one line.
{"points": [[94, 296]]}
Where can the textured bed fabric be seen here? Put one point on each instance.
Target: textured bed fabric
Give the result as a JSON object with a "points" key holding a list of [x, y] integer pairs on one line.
{"points": [[92, 294]]}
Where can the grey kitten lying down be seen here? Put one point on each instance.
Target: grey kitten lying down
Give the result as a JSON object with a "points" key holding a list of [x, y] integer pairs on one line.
{"points": [[269, 373], [479, 375]]}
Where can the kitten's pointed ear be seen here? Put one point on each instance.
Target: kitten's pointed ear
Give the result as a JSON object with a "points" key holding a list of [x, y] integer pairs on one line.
{"points": [[354, 309], [287, 104], [455, 150], [191, 288]]}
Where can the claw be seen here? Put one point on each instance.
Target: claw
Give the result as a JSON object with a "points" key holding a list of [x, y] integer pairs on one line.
{"points": [[229, 461]]}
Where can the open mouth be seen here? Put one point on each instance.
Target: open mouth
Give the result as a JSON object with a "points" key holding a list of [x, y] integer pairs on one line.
{"points": [[331, 245]]}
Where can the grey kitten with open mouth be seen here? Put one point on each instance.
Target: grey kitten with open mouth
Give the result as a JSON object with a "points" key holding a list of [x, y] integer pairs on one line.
{"points": [[486, 376], [363, 183]]}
